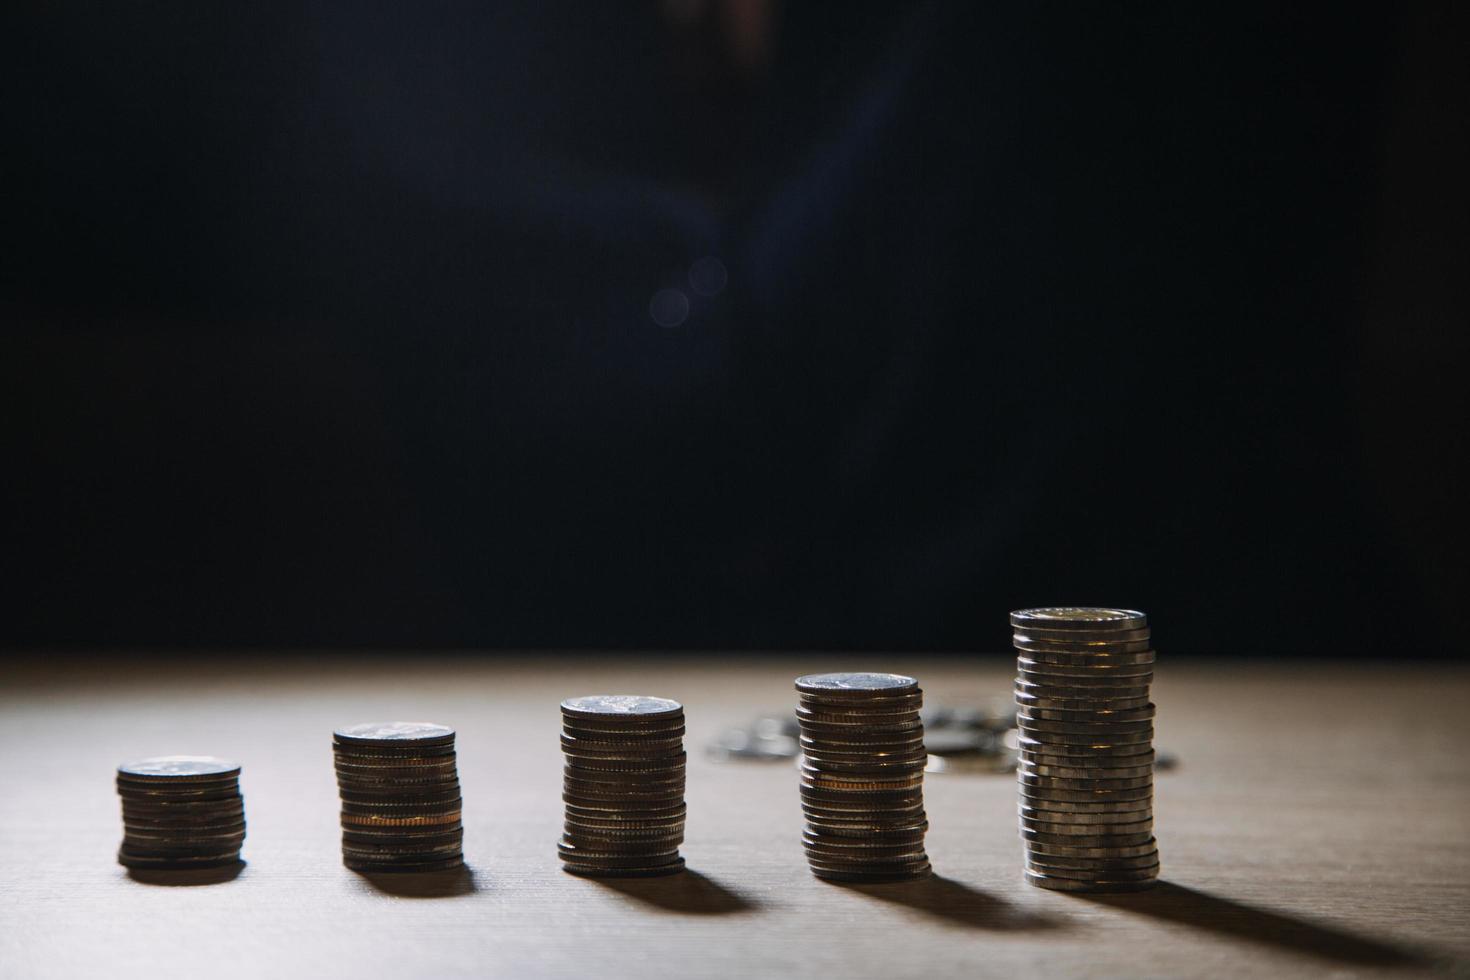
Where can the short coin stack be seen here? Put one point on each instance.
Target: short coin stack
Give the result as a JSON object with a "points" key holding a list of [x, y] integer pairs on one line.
{"points": [[400, 797], [181, 811], [862, 776], [1086, 755], [623, 786]]}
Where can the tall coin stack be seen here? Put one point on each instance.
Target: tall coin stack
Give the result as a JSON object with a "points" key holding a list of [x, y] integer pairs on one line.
{"points": [[400, 797], [181, 811], [862, 776], [623, 786], [1086, 755]]}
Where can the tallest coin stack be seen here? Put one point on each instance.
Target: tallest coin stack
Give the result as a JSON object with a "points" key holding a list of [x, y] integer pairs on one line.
{"points": [[1086, 755]]}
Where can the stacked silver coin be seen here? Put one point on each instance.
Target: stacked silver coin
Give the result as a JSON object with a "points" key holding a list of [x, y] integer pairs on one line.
{"points": [[862, 776], [401, 805], [623, 786], [1086, 748], [181, 811]]}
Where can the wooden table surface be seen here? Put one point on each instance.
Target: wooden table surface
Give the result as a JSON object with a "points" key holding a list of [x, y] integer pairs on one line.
{"points": [[1319, 824]]}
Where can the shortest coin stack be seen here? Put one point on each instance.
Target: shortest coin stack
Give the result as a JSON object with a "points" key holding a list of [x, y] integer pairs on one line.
{"points": [[1086, 766], [400, 797], [623, 785], [181, 811], [862, 776]]}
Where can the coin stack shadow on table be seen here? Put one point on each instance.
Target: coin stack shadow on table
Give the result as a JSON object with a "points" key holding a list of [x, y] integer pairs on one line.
{"points": [[181, 812], [623, 786], [862, 776], [1086, 748], [401, 802]]}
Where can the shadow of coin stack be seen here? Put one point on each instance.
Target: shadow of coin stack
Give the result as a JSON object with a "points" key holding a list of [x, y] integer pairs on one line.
{"points": [[1086, 748], [862, 776], [180, 812], [623, 786], [400, 797]]}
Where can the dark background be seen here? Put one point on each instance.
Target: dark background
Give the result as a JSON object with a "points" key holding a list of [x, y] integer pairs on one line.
{"points": [[330, 324]]}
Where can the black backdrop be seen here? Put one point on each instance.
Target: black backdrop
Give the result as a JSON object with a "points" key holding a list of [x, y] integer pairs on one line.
{"points": [[331, 324]]}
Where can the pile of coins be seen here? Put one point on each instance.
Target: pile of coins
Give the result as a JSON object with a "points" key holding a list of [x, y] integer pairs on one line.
{"points": [[1086, 748], [400, 797], [862, 776], [623, 786], [181, 811]]}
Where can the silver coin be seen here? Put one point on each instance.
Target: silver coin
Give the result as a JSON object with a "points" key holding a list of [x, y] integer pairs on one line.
{"points": [[1025, 700], [1059, 741], [1101, 767], [1054, 698], [1045, 726], [1100, 885], [1077, 709], [1042, 796], [1093, 652], [1078, 617], [1088, 840], [1035, 815], [1070, 658], [857, 783], [1099, 741], [395, 731], [178, 767], [1080, 689], [1082, 635], [1084, 785], [857, 719], [1142, 856], [1103, 764], [1148, 858], [1076, 701], [1100, 715], [1091, 831], [1103, 672], [1063, 811], [1061, 755], [1031, 768], [592, 871], [602, 706], [1048, 745], [856, 684], [1147, 873]]}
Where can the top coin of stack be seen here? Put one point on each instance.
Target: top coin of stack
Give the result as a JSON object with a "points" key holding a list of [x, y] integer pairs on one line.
{"points": [[862, 776], [400, 797], [623, 786], [1086, 748], [181, 811]]}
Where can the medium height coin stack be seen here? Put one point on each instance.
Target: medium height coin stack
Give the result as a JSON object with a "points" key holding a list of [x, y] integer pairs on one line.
{"points": [[181, 812], [400, 797], [623, 786], [862, 776], [1086, 754]]}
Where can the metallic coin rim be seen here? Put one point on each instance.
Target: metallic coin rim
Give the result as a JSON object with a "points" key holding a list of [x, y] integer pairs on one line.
{"points": [[434, 734], [1055, 617], [822, 684]]}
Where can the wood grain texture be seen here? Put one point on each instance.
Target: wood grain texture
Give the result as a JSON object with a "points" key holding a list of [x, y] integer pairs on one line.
{"points": [[1319, 825]]}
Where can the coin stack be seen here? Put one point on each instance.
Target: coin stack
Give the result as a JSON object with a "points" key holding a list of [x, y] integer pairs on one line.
{"points": [[623, 786], [400, 797], [181, 811], [1086, 748], [862, 776]]}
